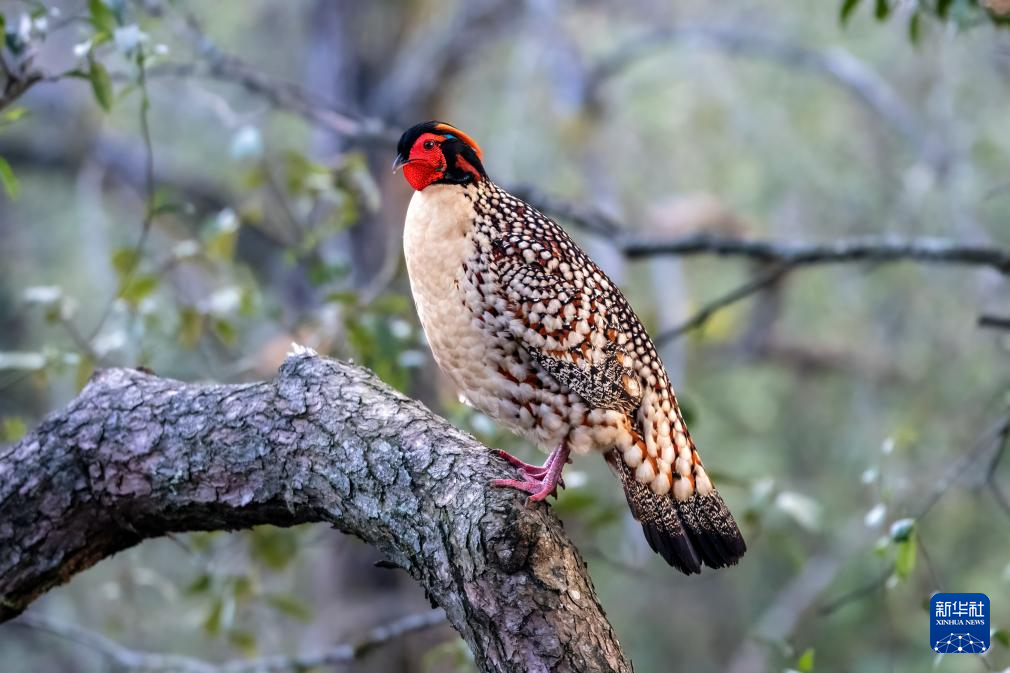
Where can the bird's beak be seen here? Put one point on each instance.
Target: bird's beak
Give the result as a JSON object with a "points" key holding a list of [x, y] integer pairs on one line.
{"points": [[399, 162]]}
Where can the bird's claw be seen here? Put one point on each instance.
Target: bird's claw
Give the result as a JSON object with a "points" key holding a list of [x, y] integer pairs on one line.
{"points": [[538, 489], [543, 480], [527, 468]]}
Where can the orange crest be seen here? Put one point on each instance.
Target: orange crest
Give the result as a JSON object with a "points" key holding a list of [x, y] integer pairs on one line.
{"points": [[446, 128]]}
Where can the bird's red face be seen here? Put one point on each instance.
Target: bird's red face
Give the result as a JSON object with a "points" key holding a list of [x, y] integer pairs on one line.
{"points": [[435, 152]]}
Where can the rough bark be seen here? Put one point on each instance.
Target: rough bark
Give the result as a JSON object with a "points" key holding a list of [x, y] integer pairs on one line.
{"points": [[136, 456]]}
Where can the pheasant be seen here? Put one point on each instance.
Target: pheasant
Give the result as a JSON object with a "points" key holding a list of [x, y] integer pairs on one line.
{"points": [[536, 336]]}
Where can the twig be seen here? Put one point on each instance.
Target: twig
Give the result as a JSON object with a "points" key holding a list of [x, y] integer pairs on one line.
{"points": [[756, 284], [130, 659], [150, 205], [856, 594], [222, 66], [838, 65], [994, 321], [990, 475], [997, 432]]}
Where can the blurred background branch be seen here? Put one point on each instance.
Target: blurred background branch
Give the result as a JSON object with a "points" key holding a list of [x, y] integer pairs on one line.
{"points": [[126, 659]]}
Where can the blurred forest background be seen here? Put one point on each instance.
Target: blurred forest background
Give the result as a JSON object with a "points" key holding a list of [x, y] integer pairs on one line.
{"points": [[193, 186]]}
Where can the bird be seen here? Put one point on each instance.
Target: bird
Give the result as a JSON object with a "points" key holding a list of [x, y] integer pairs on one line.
{"points": [[535, 335]]}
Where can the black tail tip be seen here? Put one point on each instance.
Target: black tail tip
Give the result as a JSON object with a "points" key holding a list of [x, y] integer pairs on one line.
{"points": [[700, 532]]}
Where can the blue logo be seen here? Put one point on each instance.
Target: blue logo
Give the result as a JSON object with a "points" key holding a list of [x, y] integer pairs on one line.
{"points": [[959, 623]]}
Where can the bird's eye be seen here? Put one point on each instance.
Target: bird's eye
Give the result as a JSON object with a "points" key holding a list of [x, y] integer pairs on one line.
{"points": [[429, 144]]}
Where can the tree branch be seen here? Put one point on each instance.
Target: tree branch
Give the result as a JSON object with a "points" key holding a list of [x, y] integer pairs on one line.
{"points": [[136, 456], [870, 249], [129, 659], [847, 71], [760, 282]]}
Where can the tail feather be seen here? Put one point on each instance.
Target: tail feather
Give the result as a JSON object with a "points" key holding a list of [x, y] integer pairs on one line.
{"points": [[687, 534]]}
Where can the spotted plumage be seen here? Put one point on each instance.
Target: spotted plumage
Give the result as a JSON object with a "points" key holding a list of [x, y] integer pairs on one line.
{"points": [[538, 337]]}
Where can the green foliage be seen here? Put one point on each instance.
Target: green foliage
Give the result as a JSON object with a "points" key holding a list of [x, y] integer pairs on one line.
{"points": [[9, 180], [12, 429], [101, 83], [451, 657], [102, 18], [805, 664], [961, 13], [274, 547]]}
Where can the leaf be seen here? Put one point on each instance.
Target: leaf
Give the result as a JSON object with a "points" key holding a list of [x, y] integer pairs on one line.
{"points": [[847, 8], [200, 585], [212, 622], [10, 181], [190, 327], [242, 587], [139, 288], [882, 9], [290, 606], [274, 547], [124, 261], [85, 370], [13, 114], [12, 429], [1003, 636], [391, 304], [225, 332], [243, 641], [102, 17], [914, 27], [943, 8], [101, 84], [805, 664], [904, 560]]}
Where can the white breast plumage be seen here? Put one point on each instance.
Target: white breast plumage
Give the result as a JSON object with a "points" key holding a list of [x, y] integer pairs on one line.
{"points": [[436, 242]]}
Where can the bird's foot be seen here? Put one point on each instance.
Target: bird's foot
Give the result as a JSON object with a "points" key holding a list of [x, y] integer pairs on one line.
{"points": [[527, 468], [543, 479]]}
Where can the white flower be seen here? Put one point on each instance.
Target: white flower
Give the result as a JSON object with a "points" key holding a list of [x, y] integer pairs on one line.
{"points": [[901, 529], [45, 295], [24, 29], [186, 249], [223, 301], [875, 516], [128, 38], [803, 509], [82, 49], [400, 328], [247, 143], [226, 221]]}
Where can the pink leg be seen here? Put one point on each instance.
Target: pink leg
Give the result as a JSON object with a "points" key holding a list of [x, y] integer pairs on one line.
{"points": [[543, 480]]}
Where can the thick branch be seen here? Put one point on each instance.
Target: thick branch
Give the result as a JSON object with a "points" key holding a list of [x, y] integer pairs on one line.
{"points": [[136, 456]]}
